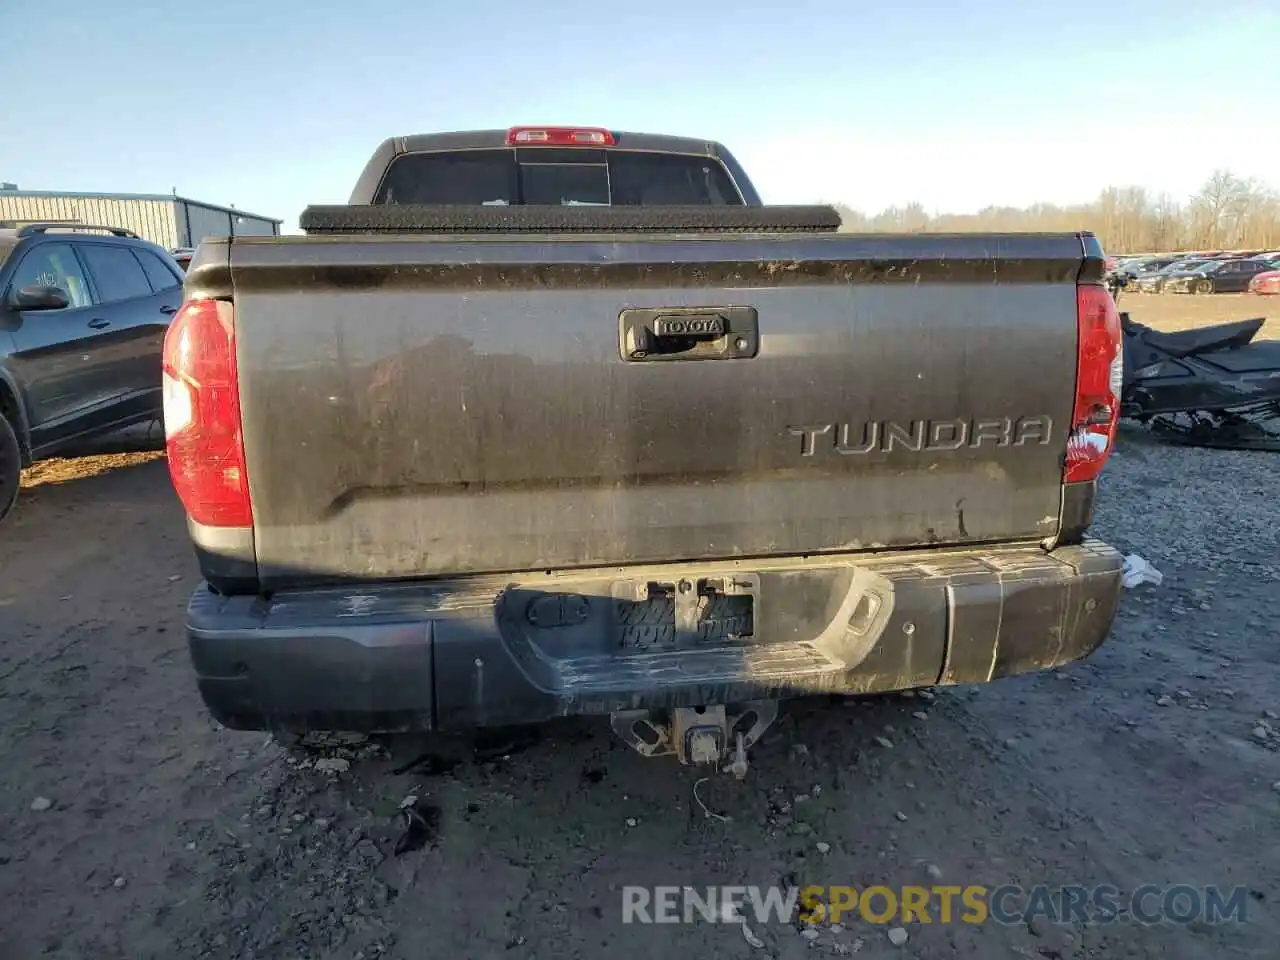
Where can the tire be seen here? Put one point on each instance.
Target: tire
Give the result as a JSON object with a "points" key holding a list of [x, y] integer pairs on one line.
{"points": [[10, 467], [1204, 287]]}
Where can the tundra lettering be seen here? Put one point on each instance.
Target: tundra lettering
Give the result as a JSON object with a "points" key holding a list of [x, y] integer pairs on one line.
{"points": [[885, 436]]}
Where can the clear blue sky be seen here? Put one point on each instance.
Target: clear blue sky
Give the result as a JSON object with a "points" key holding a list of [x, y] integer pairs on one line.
{"points": [[274, 104]]}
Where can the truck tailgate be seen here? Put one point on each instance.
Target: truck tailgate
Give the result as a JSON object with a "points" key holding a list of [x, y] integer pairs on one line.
{"points": [[423, 405]]}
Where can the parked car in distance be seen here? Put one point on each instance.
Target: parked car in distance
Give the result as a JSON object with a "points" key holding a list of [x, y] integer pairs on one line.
{"points": [[1216, 276], [1154, 282], [1145, 266], [1266, 283], [182, 256], [83, 313]]}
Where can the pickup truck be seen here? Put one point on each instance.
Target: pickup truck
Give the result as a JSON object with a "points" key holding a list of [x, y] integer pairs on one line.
{"points": [[561, 421]]}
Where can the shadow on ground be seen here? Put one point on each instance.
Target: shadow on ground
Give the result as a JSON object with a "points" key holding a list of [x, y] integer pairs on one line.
{"points": [[124, 467]]}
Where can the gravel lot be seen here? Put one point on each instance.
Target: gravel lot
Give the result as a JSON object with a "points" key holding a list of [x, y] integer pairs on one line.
{"points": [[131, 826]]}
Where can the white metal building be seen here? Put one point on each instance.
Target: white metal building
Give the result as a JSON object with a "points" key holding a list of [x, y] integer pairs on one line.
{"points": [[170, 221]]}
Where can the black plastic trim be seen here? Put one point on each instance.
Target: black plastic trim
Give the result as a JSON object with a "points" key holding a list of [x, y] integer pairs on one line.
{"points": [[411, 218]]}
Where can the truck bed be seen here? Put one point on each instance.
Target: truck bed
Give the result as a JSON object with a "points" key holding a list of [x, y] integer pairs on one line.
{"points": [[418, 405]]}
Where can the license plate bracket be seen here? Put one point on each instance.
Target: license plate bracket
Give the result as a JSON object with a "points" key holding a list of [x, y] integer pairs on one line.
{"points": [[686, 611]]}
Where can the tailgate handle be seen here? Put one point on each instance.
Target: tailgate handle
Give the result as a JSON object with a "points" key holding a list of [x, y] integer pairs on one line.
{"points": [[688, 333]]}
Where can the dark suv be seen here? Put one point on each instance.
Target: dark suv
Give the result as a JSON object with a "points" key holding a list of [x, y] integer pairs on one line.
{"points": [[83, 313]]}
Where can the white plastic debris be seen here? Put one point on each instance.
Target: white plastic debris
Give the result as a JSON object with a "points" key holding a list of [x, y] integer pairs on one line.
{"points": [[706, 811], [750, 937], [1137, 571]]}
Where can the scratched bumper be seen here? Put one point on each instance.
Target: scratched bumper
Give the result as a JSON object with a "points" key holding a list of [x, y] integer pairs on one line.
{"points": [[466, 654]]}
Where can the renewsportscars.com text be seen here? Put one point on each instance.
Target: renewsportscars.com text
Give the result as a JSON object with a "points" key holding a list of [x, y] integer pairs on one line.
{"points": [[973, 904]]}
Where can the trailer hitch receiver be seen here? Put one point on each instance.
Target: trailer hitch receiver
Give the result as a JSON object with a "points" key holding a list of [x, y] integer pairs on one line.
{"points": [[714, 736]]}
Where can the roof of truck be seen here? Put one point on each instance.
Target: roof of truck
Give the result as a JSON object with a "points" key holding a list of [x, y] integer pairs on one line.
{"points": [[366, 186], [481, 139]]}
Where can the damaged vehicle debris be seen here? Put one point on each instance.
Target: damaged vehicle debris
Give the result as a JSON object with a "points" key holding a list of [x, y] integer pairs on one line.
{"points": [[1208, 387], [559, 422]]}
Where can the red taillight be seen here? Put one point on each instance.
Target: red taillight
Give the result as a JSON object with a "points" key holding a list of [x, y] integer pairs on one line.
{"points": [[559, 137], [202, 415], [1099, 379]]}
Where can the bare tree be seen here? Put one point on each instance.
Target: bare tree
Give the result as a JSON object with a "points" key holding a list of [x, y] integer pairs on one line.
{"points": [[1228, 212], [1167, 225]]}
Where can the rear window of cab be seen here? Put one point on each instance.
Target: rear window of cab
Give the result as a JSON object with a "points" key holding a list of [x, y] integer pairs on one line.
{"points": [[551, 176]]}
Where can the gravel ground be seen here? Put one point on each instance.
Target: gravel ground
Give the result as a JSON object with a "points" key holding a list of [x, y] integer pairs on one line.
{"points": [[131, 826]]}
